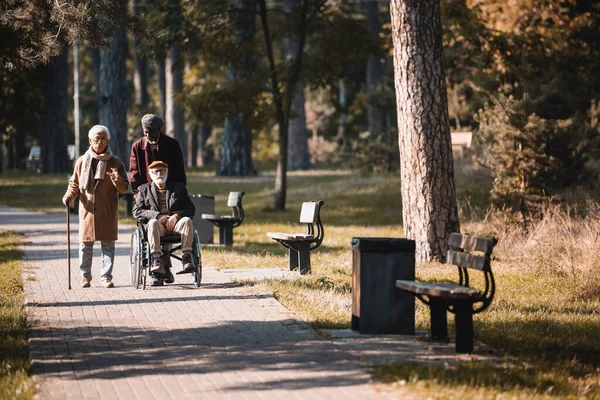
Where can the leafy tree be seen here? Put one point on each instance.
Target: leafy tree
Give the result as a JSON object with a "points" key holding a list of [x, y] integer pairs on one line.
{"points": [[532, 158]]}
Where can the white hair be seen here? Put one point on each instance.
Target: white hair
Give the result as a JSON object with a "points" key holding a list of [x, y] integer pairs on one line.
{"points": [[97, 129]]}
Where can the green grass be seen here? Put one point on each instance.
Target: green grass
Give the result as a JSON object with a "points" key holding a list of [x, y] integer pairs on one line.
{"points": [[14, 358], [547, 306]]}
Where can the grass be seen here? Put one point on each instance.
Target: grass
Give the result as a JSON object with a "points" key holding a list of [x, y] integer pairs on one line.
{"points": [[14, 358], [547, 306]]}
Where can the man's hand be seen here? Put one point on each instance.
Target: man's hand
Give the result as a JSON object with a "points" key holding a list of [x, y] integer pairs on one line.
{"points": [[172, 222], [67, 201], [163, 219], [114, 174]]}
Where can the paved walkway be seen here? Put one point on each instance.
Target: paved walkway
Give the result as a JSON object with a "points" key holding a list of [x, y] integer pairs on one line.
{"points": [[218, 341]]}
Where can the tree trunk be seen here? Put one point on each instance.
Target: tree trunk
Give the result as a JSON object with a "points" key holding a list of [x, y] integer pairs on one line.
{"points": [[162, 87], [54, 157], [375, 114], [340, 137], [174, 118], [236, 141], [429, 207], [113, 94], [193, 137], [236, 147], [140, 70], [298, 155], [203, 135], [283, 102]]}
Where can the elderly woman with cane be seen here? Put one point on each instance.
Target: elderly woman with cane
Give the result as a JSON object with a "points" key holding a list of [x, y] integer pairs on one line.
{"points": [[98, 177]]}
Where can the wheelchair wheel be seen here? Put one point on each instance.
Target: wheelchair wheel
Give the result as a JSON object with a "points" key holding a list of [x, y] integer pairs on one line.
{"points": [[197, 256], [135, 259]]}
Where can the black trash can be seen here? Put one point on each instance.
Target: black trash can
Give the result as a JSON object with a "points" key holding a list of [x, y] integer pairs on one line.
{"points": [[205, 204], [378, 306]]}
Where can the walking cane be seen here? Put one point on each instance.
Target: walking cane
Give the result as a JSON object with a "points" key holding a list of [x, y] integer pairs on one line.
{"points": [[69, 245]]}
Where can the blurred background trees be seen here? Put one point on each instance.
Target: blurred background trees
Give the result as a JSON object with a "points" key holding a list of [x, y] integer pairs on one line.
{"points": [[522, 75]]}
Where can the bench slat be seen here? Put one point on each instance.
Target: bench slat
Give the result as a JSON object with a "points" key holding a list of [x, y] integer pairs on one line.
{"points": [[212, 217], [443, 290], [234, 199], [467, 260], [469, 242], [295, 237], [309, 212]]}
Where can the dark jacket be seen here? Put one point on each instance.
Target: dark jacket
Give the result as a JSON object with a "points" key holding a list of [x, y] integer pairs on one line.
{"points": [[141, 156], [178, 202]]}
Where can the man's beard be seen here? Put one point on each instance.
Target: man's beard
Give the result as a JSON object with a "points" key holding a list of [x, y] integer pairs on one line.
{"points": [[160, 180]]}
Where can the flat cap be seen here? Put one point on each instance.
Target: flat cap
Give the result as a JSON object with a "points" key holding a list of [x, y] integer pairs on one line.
{"points": [[158, 164], [152, 121]]}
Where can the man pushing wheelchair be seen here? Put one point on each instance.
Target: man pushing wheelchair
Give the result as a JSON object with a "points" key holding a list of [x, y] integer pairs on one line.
{"points": [[166, 208]]}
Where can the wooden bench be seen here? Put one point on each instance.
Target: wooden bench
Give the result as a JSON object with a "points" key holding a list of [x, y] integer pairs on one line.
{"points": [[301, 244], [466, 252], [226, 223]]}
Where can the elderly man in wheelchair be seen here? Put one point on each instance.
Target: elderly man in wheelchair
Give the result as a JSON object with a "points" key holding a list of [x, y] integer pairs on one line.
{"points": [[167, 210]]}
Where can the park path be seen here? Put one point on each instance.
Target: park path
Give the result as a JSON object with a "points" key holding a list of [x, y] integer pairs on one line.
{"points": [[218, 341]]}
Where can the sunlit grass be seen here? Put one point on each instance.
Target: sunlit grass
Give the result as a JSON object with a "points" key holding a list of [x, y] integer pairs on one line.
{"points": [[14, 359], [547, 306]]}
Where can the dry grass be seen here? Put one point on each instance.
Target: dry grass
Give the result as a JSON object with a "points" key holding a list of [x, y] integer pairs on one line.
{"points": [[547, 306], [14, 359]]}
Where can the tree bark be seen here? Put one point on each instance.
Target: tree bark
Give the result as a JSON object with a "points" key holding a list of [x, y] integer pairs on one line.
{"points": [[283, 102], [162, 87], [298, 155], [174, 118], [53, 146], [236, 141], [193, 137], [375, 114], [203, 135], [429, 207], [140, 70], [113, 94]]}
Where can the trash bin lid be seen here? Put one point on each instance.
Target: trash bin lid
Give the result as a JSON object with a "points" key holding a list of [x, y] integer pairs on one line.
{"points": [[383, 245]]}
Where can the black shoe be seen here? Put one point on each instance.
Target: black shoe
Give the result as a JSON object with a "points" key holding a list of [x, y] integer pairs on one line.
{"points": [[157, 281], [168, 277]]}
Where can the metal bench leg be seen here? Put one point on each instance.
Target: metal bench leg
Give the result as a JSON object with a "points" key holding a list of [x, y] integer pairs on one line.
{"points": [[304, 257], [463, 321], [439, 320], [293, 258], [226, 234]]}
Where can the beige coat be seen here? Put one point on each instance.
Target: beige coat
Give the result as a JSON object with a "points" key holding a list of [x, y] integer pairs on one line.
{"points": [[99, 207]]}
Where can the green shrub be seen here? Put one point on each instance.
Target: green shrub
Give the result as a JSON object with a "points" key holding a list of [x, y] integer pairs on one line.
{"points": [[531, 157]]}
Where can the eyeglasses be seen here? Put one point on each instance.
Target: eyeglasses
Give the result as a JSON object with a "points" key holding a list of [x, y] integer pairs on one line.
{"points": [[158, 171], [100, 140]]}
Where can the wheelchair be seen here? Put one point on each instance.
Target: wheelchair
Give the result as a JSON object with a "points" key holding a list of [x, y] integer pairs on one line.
{"points": [[140, 258]]}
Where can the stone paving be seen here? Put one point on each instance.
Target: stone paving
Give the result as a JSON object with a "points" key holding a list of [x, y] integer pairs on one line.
{"points": [[219, 341]]}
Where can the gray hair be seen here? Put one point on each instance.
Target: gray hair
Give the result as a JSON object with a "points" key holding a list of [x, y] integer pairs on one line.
{"points": [[98, 129]]}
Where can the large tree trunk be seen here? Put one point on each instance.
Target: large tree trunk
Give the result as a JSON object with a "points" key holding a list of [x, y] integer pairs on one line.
{"points": [[236, 141], [428, 195], [140, 70], [54, 157], [113, 94], [174, 118], [298, 155], [203, 135], [236, 147], [375, 114], [162, 86]]}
